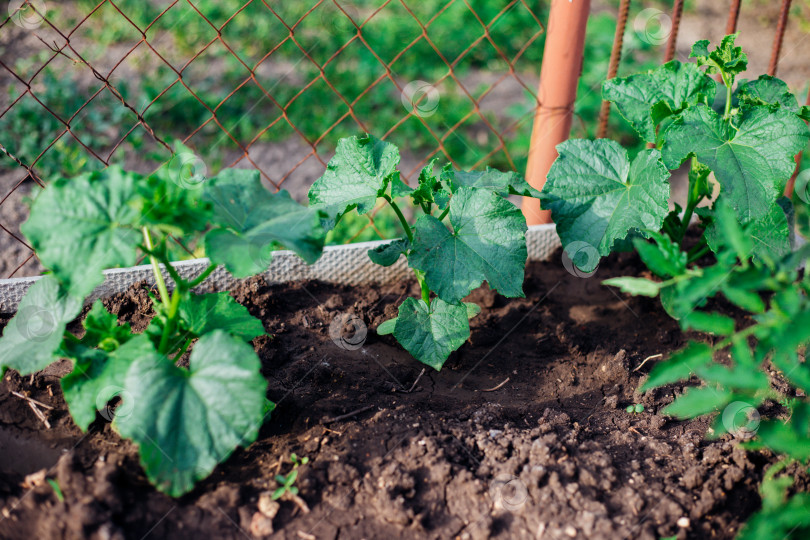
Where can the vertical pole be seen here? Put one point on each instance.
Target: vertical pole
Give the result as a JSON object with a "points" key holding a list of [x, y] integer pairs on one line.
{"points": [[781, 25], [733, 15], [559, 74], [677, 11], [613, 65]]}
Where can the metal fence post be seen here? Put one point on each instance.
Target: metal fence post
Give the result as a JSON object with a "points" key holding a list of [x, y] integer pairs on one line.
{"points": [[559, 74]]}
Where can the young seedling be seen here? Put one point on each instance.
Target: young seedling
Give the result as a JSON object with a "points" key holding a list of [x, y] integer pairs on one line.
{"points": [[184, 420], [636, 408], [468, 232], [287, 482]]}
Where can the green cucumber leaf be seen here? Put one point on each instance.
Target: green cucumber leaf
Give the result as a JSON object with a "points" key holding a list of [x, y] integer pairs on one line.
{"points": [[32, 337], [487, 243], [399, 188], [752, 162], [431, 190], [766, 90], [388, 254], [726, 57], [679, 366], [253, 222], [102, 329], [355, 177], [98, 377], [96, 216], [697, 402], [473, 309], [430, 334], [172, 194], [204, 313], [645, 99], [635, 286], [503, 183], [186, 421], [598, 197]]}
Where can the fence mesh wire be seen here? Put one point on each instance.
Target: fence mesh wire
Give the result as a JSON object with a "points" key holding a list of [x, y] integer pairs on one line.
{"points": [[273, 85], [255, 83]]}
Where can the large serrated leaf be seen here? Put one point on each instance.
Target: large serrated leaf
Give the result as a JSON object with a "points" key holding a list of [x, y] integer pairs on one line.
{"points": [[752, 162], [767, 89], [83, 225], [597, 196], [204, 313], [503, 183], [487, 243], [32, 337], [253, 222], [187, 421], [431, 333], [98, 377], [102, 329], [172, 195], [388, 254], [676, 84], [357, 174]]}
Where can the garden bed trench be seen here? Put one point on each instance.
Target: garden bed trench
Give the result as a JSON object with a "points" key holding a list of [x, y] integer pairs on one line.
{"points": [[523, 434]]}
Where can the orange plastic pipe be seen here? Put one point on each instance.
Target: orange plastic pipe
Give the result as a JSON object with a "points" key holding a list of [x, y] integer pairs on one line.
{"points": [[559, 74]]}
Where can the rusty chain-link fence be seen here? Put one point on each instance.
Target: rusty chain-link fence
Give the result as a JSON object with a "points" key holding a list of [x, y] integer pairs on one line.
{"points": [[274, 85], [261, 84]]}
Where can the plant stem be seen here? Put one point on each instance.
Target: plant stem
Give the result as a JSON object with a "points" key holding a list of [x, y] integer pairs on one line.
{"points": [[425, 291], [161, 285], [199, 279], [170, 317], [444, 214], [726, 82], [401, 217], [184, 349], [694, 198], [744, 333], [693, 256]]}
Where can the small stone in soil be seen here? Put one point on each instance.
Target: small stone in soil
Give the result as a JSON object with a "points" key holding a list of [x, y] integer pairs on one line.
{"points": [[261, 525]]}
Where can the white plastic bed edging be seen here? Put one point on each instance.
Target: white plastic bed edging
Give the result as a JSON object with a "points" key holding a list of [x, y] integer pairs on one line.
{"points": [[347, 264]]}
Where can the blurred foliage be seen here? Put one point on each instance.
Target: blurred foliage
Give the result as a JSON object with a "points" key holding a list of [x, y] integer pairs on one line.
{"points": [[324, 38]]}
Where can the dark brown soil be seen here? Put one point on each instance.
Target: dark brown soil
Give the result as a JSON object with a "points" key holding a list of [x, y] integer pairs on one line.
{"points": [[523, 434]]}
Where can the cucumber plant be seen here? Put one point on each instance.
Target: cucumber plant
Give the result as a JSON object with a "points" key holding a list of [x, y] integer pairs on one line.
{"points": [[468, 232], [746, 140], [597, 195], [184, 420]]}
